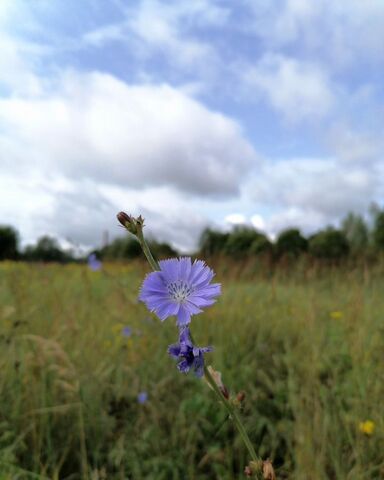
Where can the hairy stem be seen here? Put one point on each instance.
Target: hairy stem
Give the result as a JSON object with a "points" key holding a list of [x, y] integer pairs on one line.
{"points": [[147, 252]]}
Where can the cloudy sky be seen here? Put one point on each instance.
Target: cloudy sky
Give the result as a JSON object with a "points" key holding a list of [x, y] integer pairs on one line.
{"points": [[190, 113]]}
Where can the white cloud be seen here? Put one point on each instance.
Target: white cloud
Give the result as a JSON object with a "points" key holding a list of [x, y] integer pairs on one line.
{"points": [[311, 193], [335, 32], [80, 212], [318, 184], [235, 219], [258, 222], [297, 89], [157, 28], [96, 126], [307, 219]]}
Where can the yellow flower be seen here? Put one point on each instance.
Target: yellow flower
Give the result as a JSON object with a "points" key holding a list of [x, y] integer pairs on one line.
{"points": [[116, 329], [336, 315], [367, 427]]}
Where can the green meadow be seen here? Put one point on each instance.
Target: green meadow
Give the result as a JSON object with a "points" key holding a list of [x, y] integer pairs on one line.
{"points": [[305, 346]]}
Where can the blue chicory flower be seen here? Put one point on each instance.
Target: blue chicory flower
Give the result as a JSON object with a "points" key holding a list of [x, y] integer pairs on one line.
{"points": [[180, 288], [126, 331], [93, 263], [142, 397], [190, 356]]}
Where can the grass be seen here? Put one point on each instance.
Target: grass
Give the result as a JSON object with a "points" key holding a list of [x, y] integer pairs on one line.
{"points": [[307, 349]]}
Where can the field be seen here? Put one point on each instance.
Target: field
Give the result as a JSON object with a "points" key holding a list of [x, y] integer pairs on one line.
{"points": [[307, 349]]}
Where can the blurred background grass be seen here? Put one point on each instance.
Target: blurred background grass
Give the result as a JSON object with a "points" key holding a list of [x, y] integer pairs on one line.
{"points": [[306, 347]]}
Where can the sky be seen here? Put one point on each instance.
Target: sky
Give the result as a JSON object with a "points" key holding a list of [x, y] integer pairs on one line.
{"points": [[191, 113]]}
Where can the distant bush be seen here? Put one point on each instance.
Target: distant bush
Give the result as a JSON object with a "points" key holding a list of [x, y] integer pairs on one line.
{"points": [[120, 248], [243, 241], [161, 249], [329, 244], [47, 249], [378, 230], [212, 242], [8, 243], [290, 243], [261, 245], [128, 248]]}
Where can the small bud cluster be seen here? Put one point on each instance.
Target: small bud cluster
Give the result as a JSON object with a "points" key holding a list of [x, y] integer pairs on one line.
{"points": [[132, 224]]}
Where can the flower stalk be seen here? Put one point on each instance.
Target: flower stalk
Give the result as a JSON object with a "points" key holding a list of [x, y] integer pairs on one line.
{"points": [[233, 415], [135, 226]]}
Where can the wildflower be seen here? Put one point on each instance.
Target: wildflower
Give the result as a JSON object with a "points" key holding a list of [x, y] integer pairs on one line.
{"points": [[336, 315], [190, 356], [180, 288], [126, 331], [142, 397], [367, 427], [93, 263]]}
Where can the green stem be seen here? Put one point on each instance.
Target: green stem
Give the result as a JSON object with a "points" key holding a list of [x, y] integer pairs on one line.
{"points": [[234, 416], [147, 252]]}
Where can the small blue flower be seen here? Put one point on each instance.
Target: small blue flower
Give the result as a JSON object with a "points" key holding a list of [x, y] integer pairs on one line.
{"points": [[93, 263], [190, 357], [142, 397], [126, 331], [180, 288]]}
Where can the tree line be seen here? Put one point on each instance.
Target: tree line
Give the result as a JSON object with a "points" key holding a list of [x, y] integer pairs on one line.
{"points": [[355, 238]]}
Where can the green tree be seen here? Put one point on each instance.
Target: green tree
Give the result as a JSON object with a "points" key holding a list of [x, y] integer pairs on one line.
{"points": [[378, 230], [128, 248], [329, 244], [122, 247], [8, 243], [212, 242], [356, 232], [240, 241], [47, 249], [260, 245], [291, 243], [161, 249]]}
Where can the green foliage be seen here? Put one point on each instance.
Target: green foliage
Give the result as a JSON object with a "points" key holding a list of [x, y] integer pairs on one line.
{"points": [[260, 245], [212, 242], [8, 243], [122, 248], [129, 248], [161, 250], [68, 395], [46, 250], [378, 230], [291, 243], [356, 232], [244, 240], [329, 244]]}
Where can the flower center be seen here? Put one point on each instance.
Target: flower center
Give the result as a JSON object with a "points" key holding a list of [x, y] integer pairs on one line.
{"points": [[179, 290]]}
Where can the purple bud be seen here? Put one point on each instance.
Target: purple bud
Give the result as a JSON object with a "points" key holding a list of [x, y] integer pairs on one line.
{"points": [[123, 218], [132, 224]]}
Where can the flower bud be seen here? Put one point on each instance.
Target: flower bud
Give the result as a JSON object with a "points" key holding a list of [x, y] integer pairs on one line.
{"points": [[132, 224], [123, 218]]}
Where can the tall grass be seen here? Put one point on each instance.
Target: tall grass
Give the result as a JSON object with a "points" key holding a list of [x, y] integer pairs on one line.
{"points": [[307, 348]]}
